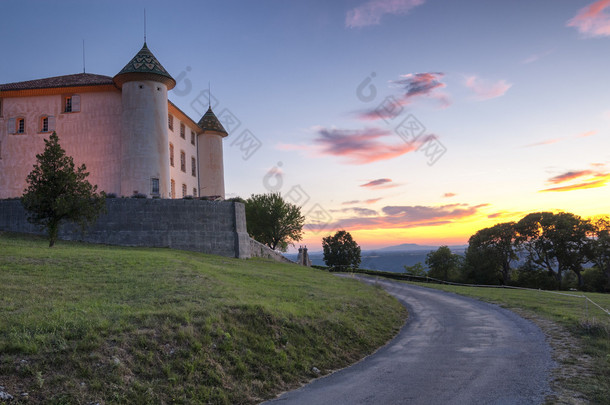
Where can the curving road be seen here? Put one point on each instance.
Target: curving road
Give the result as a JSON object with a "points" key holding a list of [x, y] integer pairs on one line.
{"points": [[452, 350]]}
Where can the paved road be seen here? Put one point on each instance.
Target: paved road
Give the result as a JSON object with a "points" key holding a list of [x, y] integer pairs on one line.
{"points": [[452, 350]]}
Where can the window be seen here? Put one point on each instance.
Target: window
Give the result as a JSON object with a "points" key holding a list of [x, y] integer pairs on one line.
{"points": [[20, 129], [44, 124], [170, 122], [154, 187], [193, 166], [182, 131], [171, 155], [194, 189], [0, 107], [71, 103], [172, 189], [183, 190], [192, 135], [182, 161]]}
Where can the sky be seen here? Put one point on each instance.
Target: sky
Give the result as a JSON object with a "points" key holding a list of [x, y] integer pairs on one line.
{"points": [[400, 121]]}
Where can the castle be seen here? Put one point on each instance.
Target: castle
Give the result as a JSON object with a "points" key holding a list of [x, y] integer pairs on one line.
{"points": [[132, 139]]}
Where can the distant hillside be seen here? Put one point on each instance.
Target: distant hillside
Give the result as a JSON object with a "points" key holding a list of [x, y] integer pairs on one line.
{"points": [[411, 247], [391, 258]]}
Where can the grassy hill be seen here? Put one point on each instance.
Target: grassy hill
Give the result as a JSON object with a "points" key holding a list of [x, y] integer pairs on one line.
{"points": [[88, 323]]}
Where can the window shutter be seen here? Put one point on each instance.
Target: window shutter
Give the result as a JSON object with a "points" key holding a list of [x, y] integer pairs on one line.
{"points": [[12, 126], [75, 103], [51, 123]]}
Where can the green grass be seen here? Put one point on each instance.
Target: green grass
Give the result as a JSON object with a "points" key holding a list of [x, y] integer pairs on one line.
{"points": [[589, 326], [89, 323]]}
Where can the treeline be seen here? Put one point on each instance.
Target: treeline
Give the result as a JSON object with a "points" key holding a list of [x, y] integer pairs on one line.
{"points": [[543, 250]]}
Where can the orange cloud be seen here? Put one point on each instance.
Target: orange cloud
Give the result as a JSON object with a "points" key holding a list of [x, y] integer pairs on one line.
{"points": [[586, 134], [485, 89], [592, 21], [403, 217], [370, 13], [589, 179]]}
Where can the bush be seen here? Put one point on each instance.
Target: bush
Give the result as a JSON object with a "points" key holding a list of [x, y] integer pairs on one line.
{"points": [[139, 195], [594, 280]]}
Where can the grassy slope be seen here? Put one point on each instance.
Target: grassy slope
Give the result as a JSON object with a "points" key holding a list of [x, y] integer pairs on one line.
{"points": [[588, 325], [84, 323]]}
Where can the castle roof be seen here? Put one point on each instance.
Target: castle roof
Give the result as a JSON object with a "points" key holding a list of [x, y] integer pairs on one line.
{"points": [[144, 66], [209, 122], [76, 80]]}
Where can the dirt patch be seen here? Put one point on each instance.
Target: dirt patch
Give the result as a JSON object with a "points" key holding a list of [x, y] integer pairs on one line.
{"points": [[571, 364]]}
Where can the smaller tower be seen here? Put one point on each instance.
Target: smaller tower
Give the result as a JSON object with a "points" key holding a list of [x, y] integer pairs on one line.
{"points": [[209, 150]]}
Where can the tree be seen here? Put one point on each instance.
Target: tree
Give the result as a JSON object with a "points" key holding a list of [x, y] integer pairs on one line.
{"points": [[273, 221], [341, 251], [555, 242], [443, 264], [58, 193], [496, 244], [416, 270], [599, 246]]}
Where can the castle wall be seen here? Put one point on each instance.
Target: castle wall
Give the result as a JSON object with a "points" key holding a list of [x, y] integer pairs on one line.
{"points": [[190, 151], [203, 226], [91, 136]]}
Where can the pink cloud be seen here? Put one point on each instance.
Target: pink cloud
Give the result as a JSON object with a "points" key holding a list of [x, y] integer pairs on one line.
{"points": [[363, 146], [485, 89], [379, 184], [371, 12], [592, 20], [586, 134], [536, 57], [449, 195], [567, 176], [413, 86], [545, 142]]}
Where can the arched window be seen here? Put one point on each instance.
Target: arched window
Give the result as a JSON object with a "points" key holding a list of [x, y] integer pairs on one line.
{"points": [[171, 155]]}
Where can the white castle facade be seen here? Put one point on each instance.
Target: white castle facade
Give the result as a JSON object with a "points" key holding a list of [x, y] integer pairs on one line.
{"points": [[132, 139]]}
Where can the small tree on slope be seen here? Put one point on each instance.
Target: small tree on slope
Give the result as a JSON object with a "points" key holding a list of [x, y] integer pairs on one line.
{"points": [[341, 251], [58, 193]]}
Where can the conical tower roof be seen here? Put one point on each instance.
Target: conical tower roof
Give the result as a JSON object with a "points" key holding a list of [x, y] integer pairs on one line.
{"points": [[209, 122], [144, 66]]}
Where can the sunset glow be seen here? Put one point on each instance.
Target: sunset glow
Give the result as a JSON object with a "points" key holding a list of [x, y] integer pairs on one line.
{"points": [[400, 121]]}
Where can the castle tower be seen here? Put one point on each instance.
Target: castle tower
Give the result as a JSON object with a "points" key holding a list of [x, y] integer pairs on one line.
{"points": [[144, 83], [209, 149]]}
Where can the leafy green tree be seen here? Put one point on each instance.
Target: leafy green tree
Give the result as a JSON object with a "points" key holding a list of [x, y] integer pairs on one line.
{"points": [[495, 246], [443, 264], [341, 251], [556, 242], [599, 246], [58, 193], [273, 221], [416, 270], [481, 266]]}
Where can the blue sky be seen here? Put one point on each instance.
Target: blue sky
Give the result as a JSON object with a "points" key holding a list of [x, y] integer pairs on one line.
{"points": [[512, 96]]}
